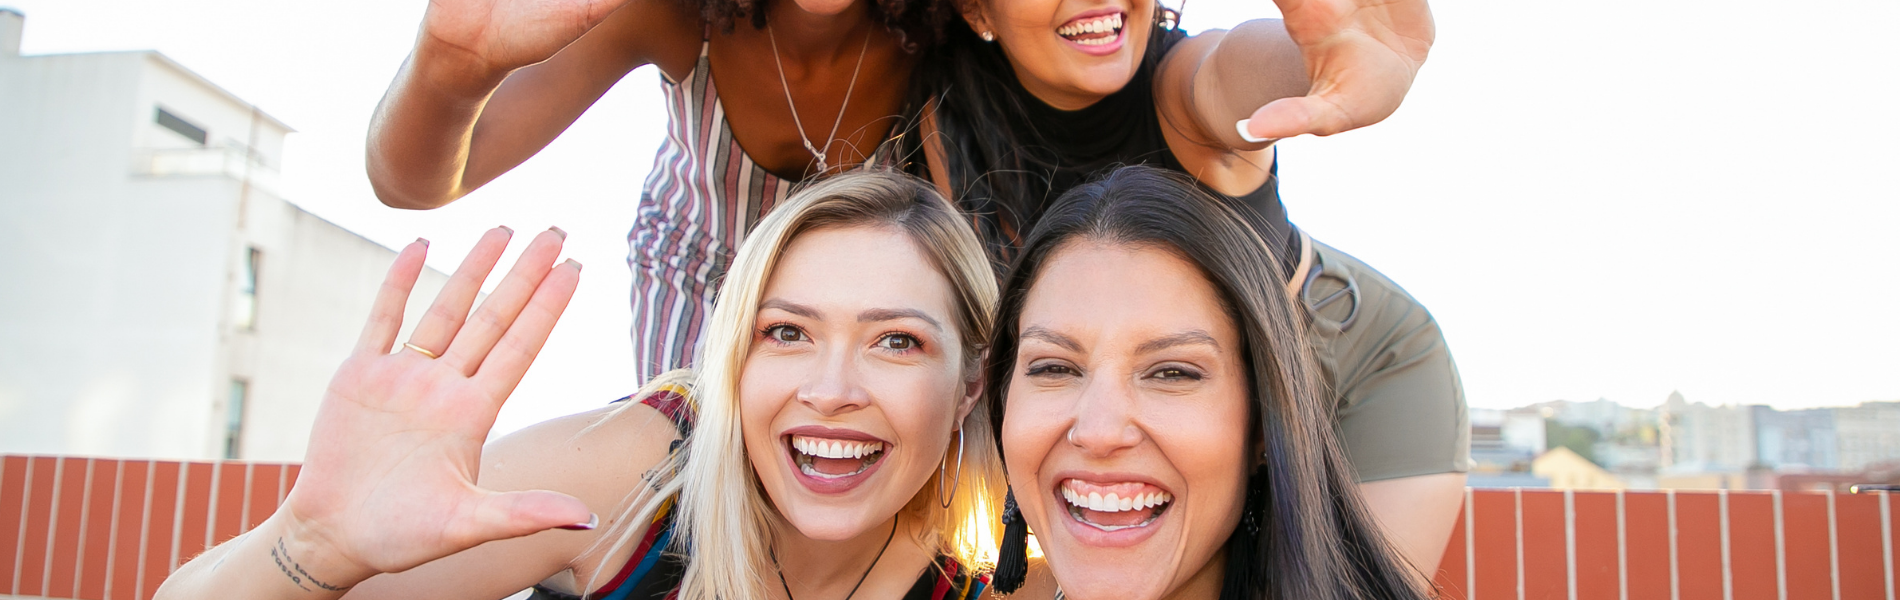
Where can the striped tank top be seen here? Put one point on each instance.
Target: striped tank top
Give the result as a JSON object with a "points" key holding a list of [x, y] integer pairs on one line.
{"points": [[703, 195]]}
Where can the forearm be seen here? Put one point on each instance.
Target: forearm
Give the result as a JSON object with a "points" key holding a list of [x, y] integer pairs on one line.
{"points": [[275, 560], [1248, 67], [422, 133]]}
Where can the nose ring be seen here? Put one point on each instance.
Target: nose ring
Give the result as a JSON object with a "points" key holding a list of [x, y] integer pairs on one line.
{"points": [[1071, 436]]}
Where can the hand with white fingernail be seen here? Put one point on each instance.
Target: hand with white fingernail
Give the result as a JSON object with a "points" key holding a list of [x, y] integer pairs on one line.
{"points": [[1359, 57]]}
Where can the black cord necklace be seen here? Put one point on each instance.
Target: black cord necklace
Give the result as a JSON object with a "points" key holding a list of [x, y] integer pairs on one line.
{"points": [[854, 588]]}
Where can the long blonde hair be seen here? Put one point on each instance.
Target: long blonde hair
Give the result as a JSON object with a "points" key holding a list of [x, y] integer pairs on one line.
{"points": [[723, 519]]}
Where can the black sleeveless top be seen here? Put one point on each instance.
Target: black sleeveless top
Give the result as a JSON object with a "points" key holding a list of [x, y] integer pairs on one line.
{"points": [[1125, 129], [1068, 148]]}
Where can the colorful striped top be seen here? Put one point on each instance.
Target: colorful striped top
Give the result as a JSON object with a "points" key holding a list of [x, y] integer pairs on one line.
{"points": [[702, 196]]}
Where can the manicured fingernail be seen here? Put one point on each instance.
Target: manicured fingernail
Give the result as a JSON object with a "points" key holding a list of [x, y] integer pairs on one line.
{"points": [[558, 231], [593, 520], [576, 263], [425, 243], [1241, 126], [510, 230]]}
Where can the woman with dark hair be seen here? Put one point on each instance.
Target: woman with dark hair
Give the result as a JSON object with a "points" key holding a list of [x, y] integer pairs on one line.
{"points": [[492, 82], [1162, 426], [1040, 95]]}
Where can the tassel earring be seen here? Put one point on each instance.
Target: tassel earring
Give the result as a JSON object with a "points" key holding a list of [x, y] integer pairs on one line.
{"points": [[1243, 549], [1012, 562]]}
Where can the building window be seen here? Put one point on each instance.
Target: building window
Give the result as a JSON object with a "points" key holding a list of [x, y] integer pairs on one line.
{"points": [[246, 307], [234, 417], [178, 124]]}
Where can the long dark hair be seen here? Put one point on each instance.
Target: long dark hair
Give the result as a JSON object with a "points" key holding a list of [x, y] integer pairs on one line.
{"points": [[1307, 533], [1000, 167]]}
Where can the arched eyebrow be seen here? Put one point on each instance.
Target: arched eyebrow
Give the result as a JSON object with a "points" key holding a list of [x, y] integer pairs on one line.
{"points": [[796, 309], [1039, 333], [891, 314], [1186, 337]]}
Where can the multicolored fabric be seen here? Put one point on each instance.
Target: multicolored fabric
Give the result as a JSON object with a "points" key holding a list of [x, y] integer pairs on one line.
{"points": [[952, 582], [652, 573], [703, 195]]}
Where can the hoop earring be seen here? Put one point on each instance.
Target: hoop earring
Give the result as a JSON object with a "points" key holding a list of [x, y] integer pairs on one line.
{"points": [[942, 468]]}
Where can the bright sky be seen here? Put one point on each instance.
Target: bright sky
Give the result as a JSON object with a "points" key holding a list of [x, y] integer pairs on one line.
{"points": [[1615, 199]]}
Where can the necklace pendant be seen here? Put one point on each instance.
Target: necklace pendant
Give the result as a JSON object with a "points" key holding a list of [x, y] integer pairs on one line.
{"points": [[820, 156]]}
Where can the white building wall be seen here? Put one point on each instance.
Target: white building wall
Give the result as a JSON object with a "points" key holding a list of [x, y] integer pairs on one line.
{"points": [[116, 332], [315, 286], [1869, 435]]}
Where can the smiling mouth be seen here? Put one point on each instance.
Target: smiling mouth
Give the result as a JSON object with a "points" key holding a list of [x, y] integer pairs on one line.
{"points": [[824, 458], [1094, 31], [1115, 507]]}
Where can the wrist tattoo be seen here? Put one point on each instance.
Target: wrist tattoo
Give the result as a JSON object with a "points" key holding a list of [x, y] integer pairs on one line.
{"points": [[295, 571]]}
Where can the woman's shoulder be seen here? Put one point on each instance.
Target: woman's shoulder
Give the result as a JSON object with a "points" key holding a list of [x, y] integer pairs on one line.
{"points": [[597, 456]]}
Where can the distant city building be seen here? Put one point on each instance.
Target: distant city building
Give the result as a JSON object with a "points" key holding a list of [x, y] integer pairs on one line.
{"points": [[1503, 443], [1685, 445], [1567, 470], [1701, 438], [1796, 439], [160, 299]]}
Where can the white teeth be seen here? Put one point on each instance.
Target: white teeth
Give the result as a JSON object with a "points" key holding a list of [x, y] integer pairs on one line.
{"points": [[835, 448], [1098, 25], [1112, 502]]}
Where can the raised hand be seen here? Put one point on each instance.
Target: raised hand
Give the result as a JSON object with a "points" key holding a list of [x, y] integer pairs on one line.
{"points": [[503, 35], [1361, 56], [389, 479]]}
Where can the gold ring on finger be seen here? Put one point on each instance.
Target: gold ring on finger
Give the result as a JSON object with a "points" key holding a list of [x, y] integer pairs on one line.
{"points": [[424, 351]]}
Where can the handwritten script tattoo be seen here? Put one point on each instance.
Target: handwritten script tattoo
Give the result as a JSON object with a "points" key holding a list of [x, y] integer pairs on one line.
{"points": [[295, 571]]}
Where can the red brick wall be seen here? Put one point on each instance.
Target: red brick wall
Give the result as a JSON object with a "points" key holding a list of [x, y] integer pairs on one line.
{"points": [[109, 529], [1536, 544]]}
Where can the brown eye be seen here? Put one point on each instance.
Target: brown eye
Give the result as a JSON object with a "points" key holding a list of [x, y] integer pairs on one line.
{"points": [[785, 334], [1175, 374], [1049, 370], [898, 341]]}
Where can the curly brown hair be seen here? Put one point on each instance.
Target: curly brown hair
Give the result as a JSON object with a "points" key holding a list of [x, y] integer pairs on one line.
{"points": [[919, 22]]}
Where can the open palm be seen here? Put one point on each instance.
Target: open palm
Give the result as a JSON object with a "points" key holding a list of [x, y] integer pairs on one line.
{"points": [[509, 34], [1361, 56], [389, 479]]}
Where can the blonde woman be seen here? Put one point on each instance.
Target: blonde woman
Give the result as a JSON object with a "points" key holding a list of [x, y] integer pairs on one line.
{"points": [[838, 452]]}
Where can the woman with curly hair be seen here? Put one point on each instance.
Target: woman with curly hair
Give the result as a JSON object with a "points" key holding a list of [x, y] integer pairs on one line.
{"points": [[492, 82]]}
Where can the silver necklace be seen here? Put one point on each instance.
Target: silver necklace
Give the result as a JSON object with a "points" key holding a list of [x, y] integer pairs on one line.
{"points": [[822, 166]]}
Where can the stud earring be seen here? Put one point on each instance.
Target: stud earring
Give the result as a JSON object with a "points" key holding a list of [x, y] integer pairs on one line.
{"points": [[987, 36]]}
